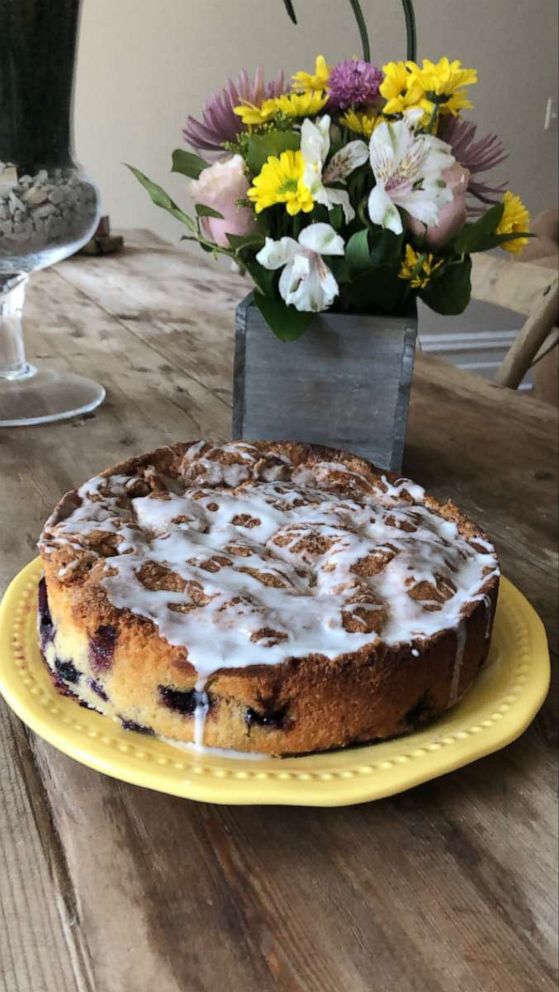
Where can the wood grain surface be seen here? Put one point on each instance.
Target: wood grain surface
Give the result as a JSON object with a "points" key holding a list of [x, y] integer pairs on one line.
{"points": [[105, 887], [345, 383]]}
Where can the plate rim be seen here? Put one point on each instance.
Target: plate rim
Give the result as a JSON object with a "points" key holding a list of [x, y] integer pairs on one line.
{"points": [[359, 774]]}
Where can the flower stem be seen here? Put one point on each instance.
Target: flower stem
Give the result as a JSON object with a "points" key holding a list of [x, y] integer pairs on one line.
{"points": [[409, 14], [361, 211], [432, 122], [358, 14], [289, 8], [411, 33]]}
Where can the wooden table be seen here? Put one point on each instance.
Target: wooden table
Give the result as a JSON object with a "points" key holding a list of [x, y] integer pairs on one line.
{"points": [[105, 887]]}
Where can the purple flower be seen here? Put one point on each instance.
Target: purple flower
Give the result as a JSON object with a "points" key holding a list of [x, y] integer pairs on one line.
{"points": [[219, 124], [475, 156], [353, 82]]}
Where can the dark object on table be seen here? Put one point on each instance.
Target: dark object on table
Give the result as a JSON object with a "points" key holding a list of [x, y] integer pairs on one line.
{"points": [[103, 242]]}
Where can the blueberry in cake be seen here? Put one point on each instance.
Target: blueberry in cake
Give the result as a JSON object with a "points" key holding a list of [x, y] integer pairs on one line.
{"points": [[272, 597]]}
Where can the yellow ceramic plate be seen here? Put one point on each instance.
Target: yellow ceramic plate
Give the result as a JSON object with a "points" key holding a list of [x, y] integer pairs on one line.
{"points": [[495, 711]]}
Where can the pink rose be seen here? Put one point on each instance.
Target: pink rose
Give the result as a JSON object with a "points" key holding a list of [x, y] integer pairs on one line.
{"points": [[452, 216], [220, 186]]}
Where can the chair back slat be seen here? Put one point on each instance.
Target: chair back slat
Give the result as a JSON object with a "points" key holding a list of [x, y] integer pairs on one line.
{"points": [[517, 286], [525, 288]]}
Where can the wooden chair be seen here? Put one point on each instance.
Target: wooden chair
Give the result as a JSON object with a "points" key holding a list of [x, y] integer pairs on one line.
{"points": [[528, 289]]}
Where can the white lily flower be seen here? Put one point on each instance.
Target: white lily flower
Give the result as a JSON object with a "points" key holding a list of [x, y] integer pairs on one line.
{"points": [[408, 169], [413, 117], [306, 281], [315, 145]]}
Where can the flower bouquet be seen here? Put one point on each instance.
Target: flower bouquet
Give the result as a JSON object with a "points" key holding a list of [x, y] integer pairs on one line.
{"points": [[354, 189], [344, 195]]}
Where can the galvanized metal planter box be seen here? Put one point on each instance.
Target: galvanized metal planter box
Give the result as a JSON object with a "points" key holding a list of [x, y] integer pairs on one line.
{"points": [[344, 383]]}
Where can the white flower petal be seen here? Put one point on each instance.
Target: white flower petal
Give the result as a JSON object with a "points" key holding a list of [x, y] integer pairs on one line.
{"points": [[436, 156], [335, 197], [381, 152], [389, 143], [424, 203], [413, 117], [330, 197], [292, 277], [274, 254], [312, 179], [382, 210], [321, 238], [313, 291], [318, 290], [348, 158], [409, 171], [422, 208], [315, 141], [402, 139]]}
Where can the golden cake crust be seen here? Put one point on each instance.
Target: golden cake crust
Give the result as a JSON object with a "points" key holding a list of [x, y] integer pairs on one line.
{"points": [[304, 700]]}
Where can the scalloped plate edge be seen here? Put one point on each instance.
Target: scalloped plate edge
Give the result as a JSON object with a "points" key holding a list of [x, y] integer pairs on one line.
{"points": [[497, 710]]}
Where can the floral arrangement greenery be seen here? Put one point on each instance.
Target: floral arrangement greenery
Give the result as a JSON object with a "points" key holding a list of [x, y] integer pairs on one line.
{"points": [[356, 188]]}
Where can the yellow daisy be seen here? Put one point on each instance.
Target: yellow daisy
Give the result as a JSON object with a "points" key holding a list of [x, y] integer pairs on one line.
{"points": [[281, 181], [400, 88], [361, 123], [252, 115], [515, 219], [305, 82], [418, 268], [443, 83], [301, 104]]}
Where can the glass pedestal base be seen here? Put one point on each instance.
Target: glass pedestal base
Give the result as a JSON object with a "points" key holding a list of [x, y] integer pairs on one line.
{"points": [[40, 395]]}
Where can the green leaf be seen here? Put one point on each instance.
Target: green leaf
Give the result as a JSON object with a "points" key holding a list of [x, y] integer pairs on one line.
{"points": [[336, 217], [375, 290], [287, 323], [187, 163], [241, 242], [500, 239], [204, 211], [357, 251], [386, 247], [359, 185], [450, 292], [162, 199], [264, 279], [373, 261], [479, 235], [261, 146], [339, 268]]}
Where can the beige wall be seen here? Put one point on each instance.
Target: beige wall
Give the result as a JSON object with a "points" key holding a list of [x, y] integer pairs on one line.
{"points": [[145, 64]]}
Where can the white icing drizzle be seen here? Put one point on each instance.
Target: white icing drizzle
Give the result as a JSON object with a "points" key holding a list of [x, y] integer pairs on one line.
{"points": [[200, 713], [83, 691], [70, 567], [303, 530], [217, 752]]}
